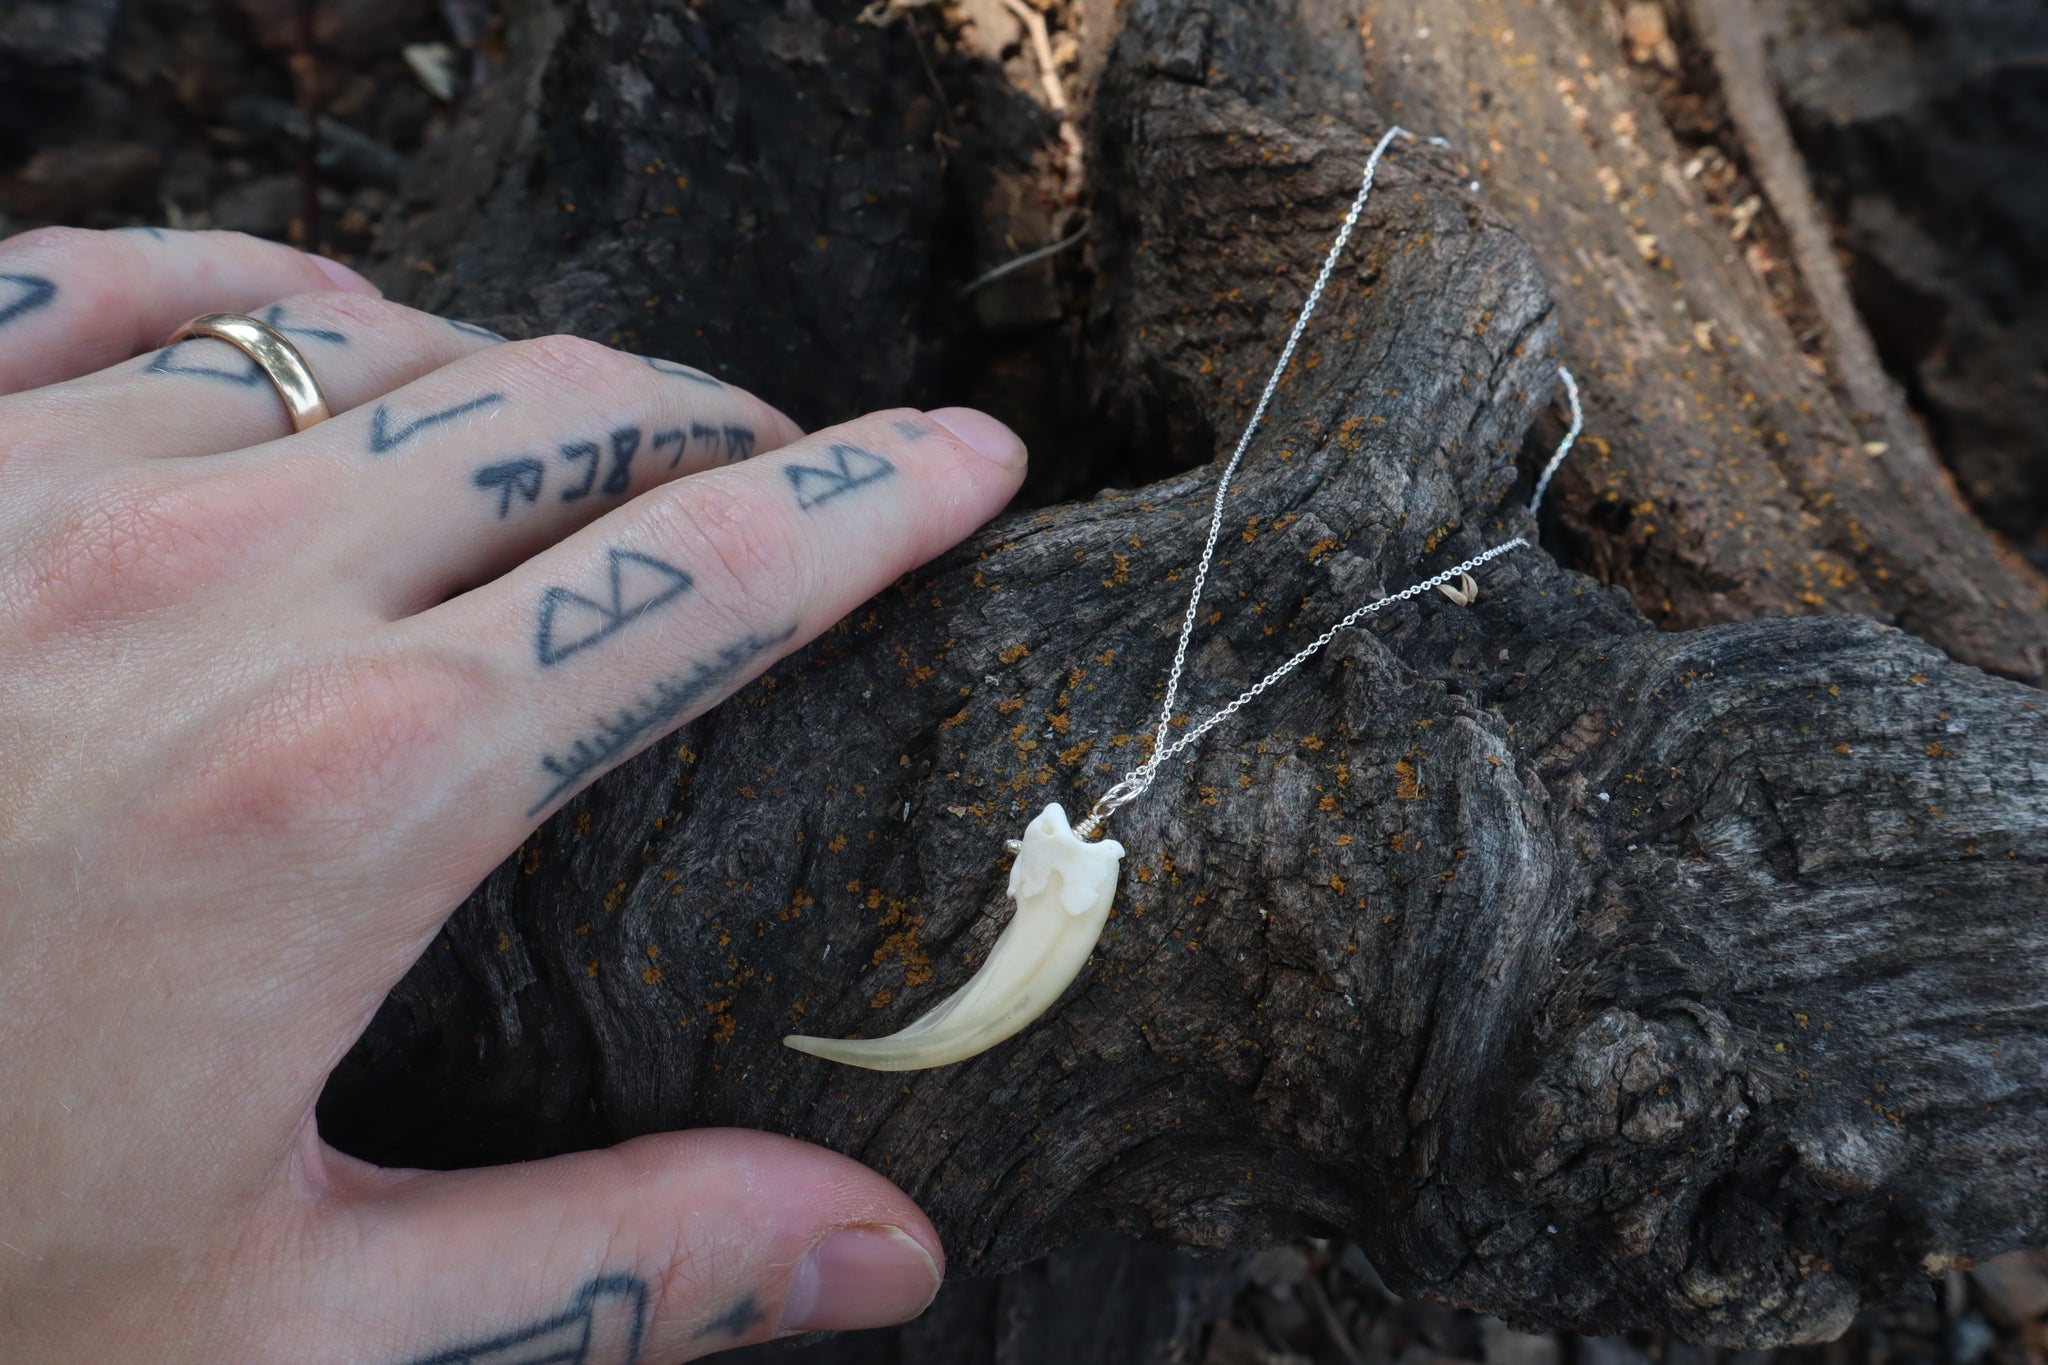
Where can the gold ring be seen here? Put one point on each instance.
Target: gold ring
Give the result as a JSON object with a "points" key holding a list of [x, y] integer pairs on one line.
{"points": [[274, 355]]}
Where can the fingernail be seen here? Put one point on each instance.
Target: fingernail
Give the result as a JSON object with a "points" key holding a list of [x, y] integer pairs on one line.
{"points": [[345, 279], [988, 436], [860, 1277]]}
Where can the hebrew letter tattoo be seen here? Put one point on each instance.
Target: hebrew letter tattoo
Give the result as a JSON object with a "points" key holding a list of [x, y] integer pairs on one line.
{"points": [[850, 468], [664, 439], [383, 440], [571, 622], [625, 441], [521, 476], [581, 450], [605, 1324], [34, 292], [739, 443]]}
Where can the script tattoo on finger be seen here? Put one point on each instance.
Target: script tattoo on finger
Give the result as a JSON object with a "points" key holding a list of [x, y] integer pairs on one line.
{"points": [[604, 1324], [676, 371], [624, 442], [472, 329], [384, 439], [521, 476], [31, 292], [730, 443], [666, 702], [735, 1322], [524, 476], [570, 622], [846, 469]]}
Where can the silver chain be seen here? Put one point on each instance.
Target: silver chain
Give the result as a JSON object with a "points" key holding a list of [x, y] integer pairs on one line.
{"points": [[1564, 447], [1134, 782]]}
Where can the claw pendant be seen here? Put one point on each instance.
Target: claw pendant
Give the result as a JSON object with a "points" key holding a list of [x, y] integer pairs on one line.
{"points": [[1063, 886]]}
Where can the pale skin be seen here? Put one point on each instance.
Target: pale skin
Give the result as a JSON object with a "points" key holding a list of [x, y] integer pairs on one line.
{"points": [[273, 703]]}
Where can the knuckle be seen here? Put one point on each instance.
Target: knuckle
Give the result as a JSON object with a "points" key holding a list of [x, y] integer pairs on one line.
{"points": [[56, 243], [556, 362], [745, 558], [332, 742], [129, 545], [333, 306]]}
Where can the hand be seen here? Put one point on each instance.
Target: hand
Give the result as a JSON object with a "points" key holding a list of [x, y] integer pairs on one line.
{"points": [[274, 703]]}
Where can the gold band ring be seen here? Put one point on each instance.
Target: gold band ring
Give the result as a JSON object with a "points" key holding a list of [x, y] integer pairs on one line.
{"points": [[274, 355]]}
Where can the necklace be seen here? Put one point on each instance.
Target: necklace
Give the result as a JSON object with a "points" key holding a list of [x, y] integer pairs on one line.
{"points": [[1062, 882]]}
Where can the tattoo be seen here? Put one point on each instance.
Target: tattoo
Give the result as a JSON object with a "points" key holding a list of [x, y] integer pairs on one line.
{"points": [[851, 468], [383, 440], [472, 329], [249, 376], [670, 367], [526, 474], [521, 476], [625, 440], [581, 450], [909, 430], [663, 704], [639, 583], [36, 292], [273, 317], [738, 441], [742, 1318], [605, 1324]]}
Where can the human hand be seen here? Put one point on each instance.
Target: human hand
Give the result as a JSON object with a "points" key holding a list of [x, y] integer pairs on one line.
{"points": [[274, 703]]}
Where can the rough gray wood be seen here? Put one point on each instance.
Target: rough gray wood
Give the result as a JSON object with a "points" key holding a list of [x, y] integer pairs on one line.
{"points": [[1582, 973]]}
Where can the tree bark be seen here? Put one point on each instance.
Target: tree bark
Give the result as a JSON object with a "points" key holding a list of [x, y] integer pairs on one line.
{"points": [[1582, 972]]}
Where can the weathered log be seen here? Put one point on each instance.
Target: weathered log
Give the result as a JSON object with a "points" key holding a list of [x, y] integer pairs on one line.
{"points": [[1583, 973]]}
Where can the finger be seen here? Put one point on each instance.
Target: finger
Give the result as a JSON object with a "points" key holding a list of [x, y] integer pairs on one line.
{"points": [[442, 484], [205, 397], [661, 1250], [655, 612], [73, 301]]}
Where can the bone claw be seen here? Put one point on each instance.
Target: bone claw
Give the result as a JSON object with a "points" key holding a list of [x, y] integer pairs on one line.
{"points": [[1063, 886]]}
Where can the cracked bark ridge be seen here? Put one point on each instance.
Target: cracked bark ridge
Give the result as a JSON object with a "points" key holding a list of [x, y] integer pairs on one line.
{"points": [[1583, 973]]}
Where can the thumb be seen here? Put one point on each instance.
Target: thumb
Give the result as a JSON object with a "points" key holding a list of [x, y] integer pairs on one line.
{"points": [[662, 1249]]}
